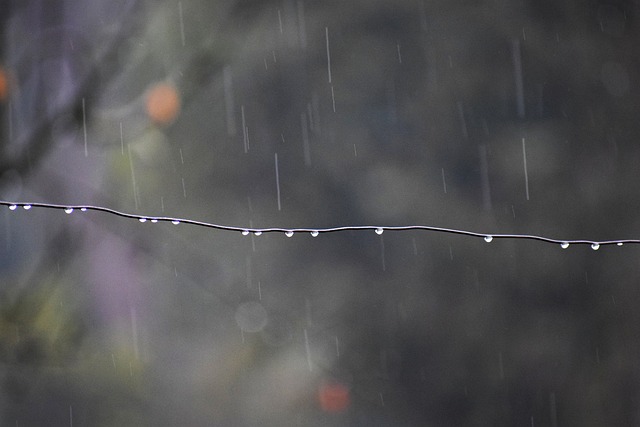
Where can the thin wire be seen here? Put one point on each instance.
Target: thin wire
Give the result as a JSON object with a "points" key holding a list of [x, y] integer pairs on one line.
{"points": [[315, 231]]}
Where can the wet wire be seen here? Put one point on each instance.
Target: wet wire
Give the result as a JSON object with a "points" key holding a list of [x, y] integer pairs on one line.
{"points": [[289, 232]]}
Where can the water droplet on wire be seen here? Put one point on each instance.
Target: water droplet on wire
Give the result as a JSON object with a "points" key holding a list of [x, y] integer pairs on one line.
{"points": [[379, 230]]}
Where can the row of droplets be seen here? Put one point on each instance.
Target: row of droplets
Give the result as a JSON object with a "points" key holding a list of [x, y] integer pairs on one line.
{"points": [[564, 245], [289, 233], [488, 238], [71, 210], [14, 207], [154, 220]]}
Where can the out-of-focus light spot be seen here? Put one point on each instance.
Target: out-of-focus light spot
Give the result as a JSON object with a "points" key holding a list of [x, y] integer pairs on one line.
{"points": [[4, 84], [163, 103], [333, 397], [251, 316]]}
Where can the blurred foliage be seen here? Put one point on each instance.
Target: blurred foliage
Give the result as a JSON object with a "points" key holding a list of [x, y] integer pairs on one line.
{"points": [[106, 321]]}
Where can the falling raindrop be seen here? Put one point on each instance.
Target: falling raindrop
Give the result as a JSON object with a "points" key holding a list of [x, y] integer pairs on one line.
{"points": [[133, 177], [181, 23], [288, 233], [595, 246], [444, 182], [257, 233], [13, 207], [84, 128], [564, 245], [333, 99], [526, 173], [488, 239], [379, 230], [175, 222], [245, 232], [315, 233], [280, 21], [68, 210], [308, 350], [326, 33], [245, 130], [142, 219], [278, 183]]}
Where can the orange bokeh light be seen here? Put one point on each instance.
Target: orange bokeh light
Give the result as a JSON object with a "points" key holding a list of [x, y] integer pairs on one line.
{"points": [[333, 397], [163, 103], [4, 84]]}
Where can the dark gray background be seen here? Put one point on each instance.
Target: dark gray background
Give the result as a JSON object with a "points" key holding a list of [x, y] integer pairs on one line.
{"points": [[107, 321]]}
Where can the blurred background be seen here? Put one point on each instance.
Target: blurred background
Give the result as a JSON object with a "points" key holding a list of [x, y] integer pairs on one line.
{"points": [[493, 116]]}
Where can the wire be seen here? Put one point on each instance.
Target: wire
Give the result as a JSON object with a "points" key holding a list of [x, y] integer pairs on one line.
{"points": [[289, 232]]}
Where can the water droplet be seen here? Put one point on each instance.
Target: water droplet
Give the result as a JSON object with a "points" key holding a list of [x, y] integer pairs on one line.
{"points": [[245, 232], [154, 220], [619, 244], [488, 239], [288, 233], [257, 233], [68, 210], [379, 230], [83, 209], [595, 246], [142, 219], [564, 245], [175, 222], [13, 207], [315, 233], [27, 207]]}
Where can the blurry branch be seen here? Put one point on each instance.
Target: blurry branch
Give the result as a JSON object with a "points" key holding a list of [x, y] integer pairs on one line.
{"points": [[196, 70], [37, 141]]}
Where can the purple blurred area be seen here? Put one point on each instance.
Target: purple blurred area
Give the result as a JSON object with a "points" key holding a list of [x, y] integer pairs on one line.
{"points": [[301, 113]]}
